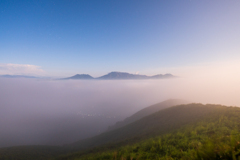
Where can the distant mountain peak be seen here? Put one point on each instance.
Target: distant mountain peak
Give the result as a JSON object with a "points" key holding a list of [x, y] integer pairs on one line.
{"points": [[121, 76], [80, 76]]}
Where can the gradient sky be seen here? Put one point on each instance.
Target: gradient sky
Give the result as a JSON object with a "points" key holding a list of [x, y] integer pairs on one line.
{"points": [[66, 37]]}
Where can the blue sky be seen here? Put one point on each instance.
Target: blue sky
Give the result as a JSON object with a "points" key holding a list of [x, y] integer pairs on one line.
{"points": [[66, 37]]}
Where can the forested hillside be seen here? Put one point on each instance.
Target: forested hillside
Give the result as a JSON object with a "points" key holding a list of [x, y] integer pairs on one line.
{"points": [[192, 131], [147, 111], [157, 123], [212, 136]]}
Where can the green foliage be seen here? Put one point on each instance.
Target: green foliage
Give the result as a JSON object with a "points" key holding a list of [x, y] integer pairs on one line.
{"points": [[155, 124], [147, 111], [216, 136], [186, 132]]}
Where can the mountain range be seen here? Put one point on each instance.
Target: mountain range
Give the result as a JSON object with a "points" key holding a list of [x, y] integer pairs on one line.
{"points": [[121, 76], [17, 76], [109, 76]]}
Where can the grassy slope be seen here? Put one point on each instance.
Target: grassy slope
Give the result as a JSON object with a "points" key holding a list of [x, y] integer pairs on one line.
{"points": [[211, 132], [147, 111], [183, 131], [152, 125], [46, 152]]}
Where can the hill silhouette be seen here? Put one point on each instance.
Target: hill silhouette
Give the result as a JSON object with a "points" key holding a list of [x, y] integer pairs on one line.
{"points": [[157, 123], [147, 111], [121, 76], [80, 76], [194, 131]]}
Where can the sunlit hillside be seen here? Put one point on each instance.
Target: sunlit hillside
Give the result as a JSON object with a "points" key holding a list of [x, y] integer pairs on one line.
{"points": [[192, 131]]}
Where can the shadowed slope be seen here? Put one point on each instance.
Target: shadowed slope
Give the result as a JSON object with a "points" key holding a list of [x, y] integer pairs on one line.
{"points": [[167, 121], [147, 111], [158, 123], [214, 135]]}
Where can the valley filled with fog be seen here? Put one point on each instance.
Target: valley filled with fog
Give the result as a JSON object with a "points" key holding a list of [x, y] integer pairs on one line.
{"points": [[58, 112]]}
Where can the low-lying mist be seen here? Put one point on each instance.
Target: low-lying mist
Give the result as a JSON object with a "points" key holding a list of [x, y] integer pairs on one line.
{"points": [[56, 112]]}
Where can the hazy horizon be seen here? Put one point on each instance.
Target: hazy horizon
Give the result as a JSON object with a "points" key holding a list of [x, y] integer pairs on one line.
{"points": [[53, 112]]}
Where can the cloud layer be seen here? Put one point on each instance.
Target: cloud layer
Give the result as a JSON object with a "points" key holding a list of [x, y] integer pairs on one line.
{"points": [[20, 69]]}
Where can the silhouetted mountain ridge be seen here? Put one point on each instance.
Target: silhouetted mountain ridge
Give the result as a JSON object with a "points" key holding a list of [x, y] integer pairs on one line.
{"points": [[80, 76], [121, 75]]}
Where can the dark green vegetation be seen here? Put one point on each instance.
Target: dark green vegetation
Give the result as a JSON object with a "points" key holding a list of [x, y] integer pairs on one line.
{"points": [[155, 124], [192, 131], [31, 152], [147, 111]]}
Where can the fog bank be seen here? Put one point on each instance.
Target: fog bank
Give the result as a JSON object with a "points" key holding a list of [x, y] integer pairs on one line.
{"points": [[53, 112]]}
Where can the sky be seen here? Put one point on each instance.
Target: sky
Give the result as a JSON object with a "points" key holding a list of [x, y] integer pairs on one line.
{"points": [[60, 38]]}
